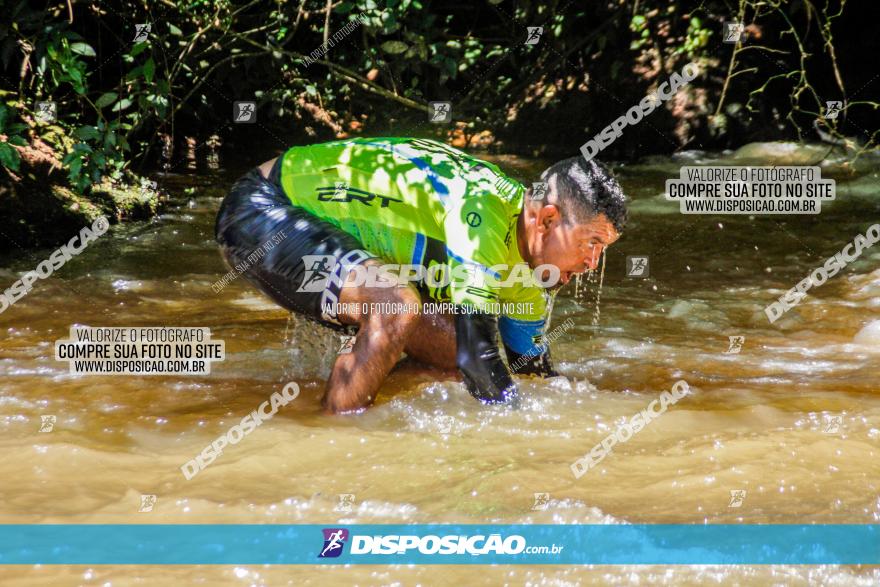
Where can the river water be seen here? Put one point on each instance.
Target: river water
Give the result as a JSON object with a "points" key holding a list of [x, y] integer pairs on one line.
{"points": [[792, 420]]}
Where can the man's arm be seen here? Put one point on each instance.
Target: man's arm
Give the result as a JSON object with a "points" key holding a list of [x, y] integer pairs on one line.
{"points": [[475, 231], [527, 353], [479, 360], [523, 331]]}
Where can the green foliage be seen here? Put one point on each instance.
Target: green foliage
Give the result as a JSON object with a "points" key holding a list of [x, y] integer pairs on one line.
{"points": [[93, 126], [696, 38], [382, 58], [639, 26], [9, 156]]}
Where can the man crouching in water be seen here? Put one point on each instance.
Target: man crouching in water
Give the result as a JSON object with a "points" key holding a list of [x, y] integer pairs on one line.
{"points": [[419, 202]]}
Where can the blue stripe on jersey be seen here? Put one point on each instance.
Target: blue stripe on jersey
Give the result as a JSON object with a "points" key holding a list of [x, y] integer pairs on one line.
{"points": [[520, 335], [419, 248], [465, 261], [413, 157]]}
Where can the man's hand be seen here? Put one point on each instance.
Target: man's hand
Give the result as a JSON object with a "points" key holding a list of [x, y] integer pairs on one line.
{"points": [[479, 360]]}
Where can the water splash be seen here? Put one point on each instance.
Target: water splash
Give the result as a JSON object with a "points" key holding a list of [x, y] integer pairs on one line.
{"points": [[312, 349], [581, 286], [550, 300], [599, 289]]}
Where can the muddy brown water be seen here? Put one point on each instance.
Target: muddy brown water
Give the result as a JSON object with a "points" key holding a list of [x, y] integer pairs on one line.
{"points": [[793, 419]]}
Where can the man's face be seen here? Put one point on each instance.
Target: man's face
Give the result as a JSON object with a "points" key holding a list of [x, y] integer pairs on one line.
{"points": [[574, 248]]}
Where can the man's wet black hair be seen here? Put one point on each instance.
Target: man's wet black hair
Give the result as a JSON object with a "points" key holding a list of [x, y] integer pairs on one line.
{"points": [[585, 189]]}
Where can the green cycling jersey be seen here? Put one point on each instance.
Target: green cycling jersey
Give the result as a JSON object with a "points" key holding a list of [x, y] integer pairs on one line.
{"points": [[420, 202]]}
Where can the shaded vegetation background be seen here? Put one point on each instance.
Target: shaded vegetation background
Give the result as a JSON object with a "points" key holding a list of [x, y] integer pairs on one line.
{"points": [[127, 107]]}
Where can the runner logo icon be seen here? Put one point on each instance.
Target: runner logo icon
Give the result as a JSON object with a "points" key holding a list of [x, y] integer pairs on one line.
{"points": [[317, 270], [334, 541]]}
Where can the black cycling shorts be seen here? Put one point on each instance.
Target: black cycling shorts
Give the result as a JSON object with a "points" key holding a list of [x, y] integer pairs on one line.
{"points": [[297, 259]]}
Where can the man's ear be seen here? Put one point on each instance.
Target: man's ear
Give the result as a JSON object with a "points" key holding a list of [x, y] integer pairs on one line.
{"points": [[547, 216]]}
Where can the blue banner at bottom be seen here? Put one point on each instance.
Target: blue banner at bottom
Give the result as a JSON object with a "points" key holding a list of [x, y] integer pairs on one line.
{"points": [[517, 544]]}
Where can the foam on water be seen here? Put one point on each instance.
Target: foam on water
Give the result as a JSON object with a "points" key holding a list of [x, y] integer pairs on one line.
{"points": [[869, 335], [311, 348]]}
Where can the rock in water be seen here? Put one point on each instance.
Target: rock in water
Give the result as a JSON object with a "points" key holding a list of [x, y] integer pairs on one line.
{"points": [[780, 153], [870, 334]]}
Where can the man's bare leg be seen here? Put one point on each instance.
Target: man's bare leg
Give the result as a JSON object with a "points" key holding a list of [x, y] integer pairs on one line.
{"points": [[266, 168], [380, 340]]}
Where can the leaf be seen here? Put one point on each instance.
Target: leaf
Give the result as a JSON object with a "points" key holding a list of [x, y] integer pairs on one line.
{"points": [[76, 78], [451, 67], [149, 68], [311, 90], [9, 157], [82, 49], [394, 47], [106, 99], [138, 48], [174, 30], [121, 105], [87, 132], [134, 73], [75, 167]]}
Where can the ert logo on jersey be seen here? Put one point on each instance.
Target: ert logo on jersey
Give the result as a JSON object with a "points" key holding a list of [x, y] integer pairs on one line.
{"points": [[342, 192]]}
